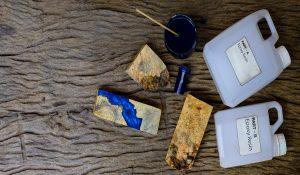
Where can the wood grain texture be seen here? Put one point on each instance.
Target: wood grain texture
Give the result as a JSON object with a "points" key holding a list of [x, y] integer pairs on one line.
{"points": [[55, 54], [188, 134]]}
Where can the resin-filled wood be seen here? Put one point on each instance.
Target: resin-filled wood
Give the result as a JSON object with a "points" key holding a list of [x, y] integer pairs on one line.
{"points": [[127, 112], [188, 133]]}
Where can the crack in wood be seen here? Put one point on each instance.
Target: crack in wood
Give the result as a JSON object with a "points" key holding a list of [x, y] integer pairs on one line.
{"points": [[21, 137]]}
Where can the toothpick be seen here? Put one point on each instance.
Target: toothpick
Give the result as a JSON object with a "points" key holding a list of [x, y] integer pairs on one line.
{"points": [[153, 20]]}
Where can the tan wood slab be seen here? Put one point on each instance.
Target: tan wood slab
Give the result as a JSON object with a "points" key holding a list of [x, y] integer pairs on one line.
{"points": [[188, 134], [148, 70]]}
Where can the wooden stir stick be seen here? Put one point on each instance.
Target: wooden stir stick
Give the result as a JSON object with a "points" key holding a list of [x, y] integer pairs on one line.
{"points": [[153, 20]]}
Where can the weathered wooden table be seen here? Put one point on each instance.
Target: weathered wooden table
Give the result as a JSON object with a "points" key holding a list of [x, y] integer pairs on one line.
{"points": [[56, 53]]}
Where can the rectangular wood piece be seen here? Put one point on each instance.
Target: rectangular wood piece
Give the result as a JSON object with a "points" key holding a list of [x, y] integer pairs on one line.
{"points": [[188, 133], [127, 112]]}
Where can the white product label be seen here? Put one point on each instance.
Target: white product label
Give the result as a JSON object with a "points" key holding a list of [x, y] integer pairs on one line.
{"points": [[248, 135], [243, 61]]}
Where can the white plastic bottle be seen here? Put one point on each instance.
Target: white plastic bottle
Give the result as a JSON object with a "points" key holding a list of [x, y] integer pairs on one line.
{"points": [[242, 62], [244, 135]]}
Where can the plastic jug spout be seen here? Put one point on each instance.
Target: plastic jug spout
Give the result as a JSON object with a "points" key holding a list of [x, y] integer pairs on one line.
{"points": [[279, 145], [284, 55]]}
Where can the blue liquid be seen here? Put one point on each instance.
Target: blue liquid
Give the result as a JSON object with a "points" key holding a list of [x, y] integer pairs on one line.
{"points": [[183, 45]]}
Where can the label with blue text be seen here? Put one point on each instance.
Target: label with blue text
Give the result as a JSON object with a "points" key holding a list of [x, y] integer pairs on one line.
{"points": [[248, 135]]}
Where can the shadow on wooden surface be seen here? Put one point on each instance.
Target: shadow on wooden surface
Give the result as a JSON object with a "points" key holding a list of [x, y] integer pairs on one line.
{"points": [[55, 54]]}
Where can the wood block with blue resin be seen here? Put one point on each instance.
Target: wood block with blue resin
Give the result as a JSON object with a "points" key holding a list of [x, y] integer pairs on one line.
{"points": [[127, 112]]}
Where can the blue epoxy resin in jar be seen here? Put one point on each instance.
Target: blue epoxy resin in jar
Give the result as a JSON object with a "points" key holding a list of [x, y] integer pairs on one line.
{"points": [[183, 45]]}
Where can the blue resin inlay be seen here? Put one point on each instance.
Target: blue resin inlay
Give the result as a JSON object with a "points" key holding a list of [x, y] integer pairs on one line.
{"points": [[128, 112]]}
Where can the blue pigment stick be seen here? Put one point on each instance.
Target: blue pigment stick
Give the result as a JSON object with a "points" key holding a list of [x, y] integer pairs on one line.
{"points": [[181, 79]]}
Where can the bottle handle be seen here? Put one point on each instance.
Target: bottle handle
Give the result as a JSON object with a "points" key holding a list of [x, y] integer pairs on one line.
{"points": [[265, 14], [279, 121]]}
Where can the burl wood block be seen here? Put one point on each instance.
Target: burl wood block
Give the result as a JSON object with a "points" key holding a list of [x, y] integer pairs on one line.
{"points": [[188, 133], [124, 111], [148, 70]]}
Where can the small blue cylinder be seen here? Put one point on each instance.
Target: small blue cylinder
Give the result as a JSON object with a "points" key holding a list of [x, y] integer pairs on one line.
{"points": [[181, 79]]}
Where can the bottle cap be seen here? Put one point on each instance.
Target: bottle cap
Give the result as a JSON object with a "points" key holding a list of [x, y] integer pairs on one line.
{"points": [[181, 79], [279, 145], [184, 69], [284, 55]]}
